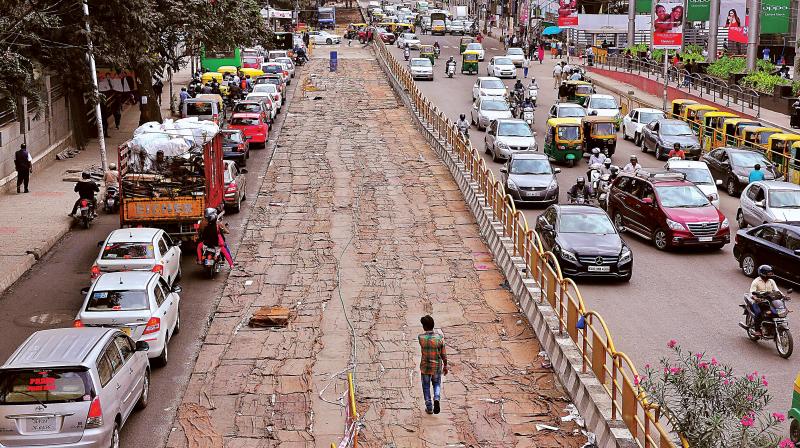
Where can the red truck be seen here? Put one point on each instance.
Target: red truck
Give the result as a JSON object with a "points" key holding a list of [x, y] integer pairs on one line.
{"points": [[172, 193]]}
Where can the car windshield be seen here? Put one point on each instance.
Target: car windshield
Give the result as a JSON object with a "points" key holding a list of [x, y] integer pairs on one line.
{"points": [[420, 62], [530, 166], [503, 61], [197, 108], [649, 117], [675, 129], [232, 137], [595, 223], [514, 129], [569, 132], [438, 23], [604, 129], [748, 159], [43, 386], [492, 84], [410, 36], [515, 51], [250, 60], [784, 198], [683, 196], [494, 105], [128, 251], [603, 103], [273, 68], [457, 23], [122, 300], [267, 88], [228, 176], [243, 121], [245, 107], [474, 46], [696, 175], [565, 112]]}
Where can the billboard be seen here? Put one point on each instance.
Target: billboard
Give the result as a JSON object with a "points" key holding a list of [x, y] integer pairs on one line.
{"points": [[668, 19], [567, 13], [733, 16], [774, 16], [698, 10]]}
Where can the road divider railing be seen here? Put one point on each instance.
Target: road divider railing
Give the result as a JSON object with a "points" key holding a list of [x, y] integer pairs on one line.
{"points": [[586, 328]]}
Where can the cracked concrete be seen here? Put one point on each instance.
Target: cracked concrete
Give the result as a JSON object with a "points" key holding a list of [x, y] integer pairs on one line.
{"points": [[356, 210]]}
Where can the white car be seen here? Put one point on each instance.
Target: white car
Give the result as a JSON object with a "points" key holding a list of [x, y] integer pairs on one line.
{"points": [[636, 119], [141, 304], [457, 27], [408, 38], [266, 99], [698, 173], [288, 64], [506, 136], [517, 55], [769, 201], [323, 37], [487, 109], [139, 249], [421, 68], [276, 68], [567, 110], [273, 55], [501, 67], [603, 106], [488, 86], [272, 89], [475, 46]]}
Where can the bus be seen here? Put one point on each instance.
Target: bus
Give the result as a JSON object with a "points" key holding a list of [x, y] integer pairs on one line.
{"points": [[211, 60]]}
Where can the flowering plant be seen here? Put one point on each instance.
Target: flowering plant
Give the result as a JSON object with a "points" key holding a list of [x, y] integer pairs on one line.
{"points": [[708, 406]]}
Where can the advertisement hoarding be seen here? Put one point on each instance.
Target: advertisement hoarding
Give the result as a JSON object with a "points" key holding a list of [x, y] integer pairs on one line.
{"points": [[668, 19], [567, 13], [733, 16], [774, 16]]}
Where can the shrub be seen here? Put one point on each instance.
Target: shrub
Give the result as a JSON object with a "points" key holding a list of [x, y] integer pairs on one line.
{"points": [[763, 82]]}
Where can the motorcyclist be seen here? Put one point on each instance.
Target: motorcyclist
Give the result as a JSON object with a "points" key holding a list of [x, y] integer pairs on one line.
{"points": [[212, 234], [406, 53], [581, 188], [527, 102], [763, 283], [462, 124], [614, 173], [86, 188], [596, 157], [633, 166], [436, 45], [519, 88], [606, 168], [447, 65]]}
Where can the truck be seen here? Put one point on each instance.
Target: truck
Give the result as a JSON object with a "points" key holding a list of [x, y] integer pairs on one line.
{"points": [[172, 195], [438, 23], [326, 17], [459, 12]]}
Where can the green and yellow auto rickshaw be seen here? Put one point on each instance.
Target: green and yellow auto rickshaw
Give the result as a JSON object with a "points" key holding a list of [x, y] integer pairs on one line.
{"points": [[563, 140], [732, 129], [579, 91], [758, 136], [462, 46], [794, 413], [600, 132], [793, 164], [469, 62], [427, 51]]}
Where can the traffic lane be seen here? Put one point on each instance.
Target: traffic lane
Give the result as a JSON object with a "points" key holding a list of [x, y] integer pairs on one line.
{"points": [[694, 293], [48, 296]]}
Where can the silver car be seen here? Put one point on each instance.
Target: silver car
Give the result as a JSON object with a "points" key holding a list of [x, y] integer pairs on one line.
{"points": [[487, 109], [507, 136], [769, 202], [72, 388], [421, 68]]}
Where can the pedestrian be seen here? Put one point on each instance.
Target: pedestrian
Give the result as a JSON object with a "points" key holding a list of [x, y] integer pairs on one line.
{"points": [[158, 87], [432, 364], [306, 39], [765, 54], [23, 163], [117, 109], [557, 75], [755, 175], [184, 95], [559, 50], [525, 65], [505, 42], [563, 92], [540, 53], [677, 151]]}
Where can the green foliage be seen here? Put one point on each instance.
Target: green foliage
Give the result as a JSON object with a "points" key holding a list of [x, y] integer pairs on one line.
{"points": [[725, 66], [763, 82]]}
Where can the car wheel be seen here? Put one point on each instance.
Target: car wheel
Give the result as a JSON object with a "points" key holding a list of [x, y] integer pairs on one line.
{"points": [[732, 188], [639, 141], [740, 219], [659, 153], [624, 133], [329, 41], [472, 120], [494, 157], [619, 223], [115, 436], [794, 431], [177, 328], [238, 206], [660, 239], [145, 396], [486, 147], [163, 358], [748, 265]]}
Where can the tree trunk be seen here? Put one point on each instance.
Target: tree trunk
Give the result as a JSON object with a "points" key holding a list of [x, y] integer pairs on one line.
{"points": [[144, 88]]}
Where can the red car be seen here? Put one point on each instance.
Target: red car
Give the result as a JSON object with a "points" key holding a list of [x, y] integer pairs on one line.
{"points": [[252, 125], [386, 36]]}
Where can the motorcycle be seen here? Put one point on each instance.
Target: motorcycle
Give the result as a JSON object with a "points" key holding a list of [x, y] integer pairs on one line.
{"points": [[451, 70], [580, 199], [533, 92], [602, 189], [85, 214], [111, 201], [775, 322], [464, 131], [436, 52], [527, 115], [406, 54], [212, 260]]}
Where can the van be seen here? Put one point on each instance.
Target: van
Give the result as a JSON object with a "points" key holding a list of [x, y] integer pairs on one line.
{"points": [[421, 6], [204, 107]]}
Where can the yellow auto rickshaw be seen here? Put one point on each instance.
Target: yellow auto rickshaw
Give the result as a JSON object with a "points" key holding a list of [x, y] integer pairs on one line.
{"points": [[678, 106], [469, 62], [206, 77], [793, 164], [712, 129], [691, 115], [229, 69], [353, 29], [252, 72], [579, 91], [600, 132], [404, 28], [462, 45], [758, 136], [427, 51], [563, 140], [732, 130], [779, 147]]}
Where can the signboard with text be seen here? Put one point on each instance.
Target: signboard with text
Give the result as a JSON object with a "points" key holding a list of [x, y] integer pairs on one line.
{"points": [[733, 16], [774, 16], [668, 19], [567, 13]]}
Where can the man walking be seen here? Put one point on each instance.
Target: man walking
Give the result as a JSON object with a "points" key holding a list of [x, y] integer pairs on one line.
{"points": [[525, 64], [556, 76], [23, 164], [432, 364]]}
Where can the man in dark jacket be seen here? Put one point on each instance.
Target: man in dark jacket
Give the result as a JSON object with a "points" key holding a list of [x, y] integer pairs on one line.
{"points": [[23, 164], [86, 188]]}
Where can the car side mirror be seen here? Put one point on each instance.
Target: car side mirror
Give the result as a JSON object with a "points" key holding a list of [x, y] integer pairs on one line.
{"points": [[556, 170], [142, 346], [504, 170], [100, 243], [243, 170], [177, 289], [84, 290], [726, 163], [719, 182], [760, 204], [475, 106], [648, 201]]}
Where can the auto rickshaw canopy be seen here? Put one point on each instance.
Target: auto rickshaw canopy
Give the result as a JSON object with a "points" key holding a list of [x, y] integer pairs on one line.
{"points": [[253, 72], [227, 69], [690, 112], [463, 42], [560, 132], [762, 132], [208, 76], [678, 105], [600, 127]]}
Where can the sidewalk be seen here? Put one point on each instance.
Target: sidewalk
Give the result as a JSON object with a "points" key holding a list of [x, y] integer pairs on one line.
{"points": [[34, 222], [358, 222]]}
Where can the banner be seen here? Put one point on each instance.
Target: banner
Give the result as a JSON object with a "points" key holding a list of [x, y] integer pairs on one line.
{"points": [[698, 10], [668, 18], [567, 13], [644, 6], [523, 13], [733, 16], [774, 16]]}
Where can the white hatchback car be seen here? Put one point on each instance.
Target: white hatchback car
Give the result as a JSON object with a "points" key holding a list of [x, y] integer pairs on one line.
{"points": [[603, 106], [567, 110], [273, 90], [517, 55], [501, 67], [488, 86], [697, 173], [288, 64], [408, 38], [140, 304], [421, 68], [266, 99], [139, 249], [323, 37], [487, 109], [507, 136], [475, 46], [636, 119]]}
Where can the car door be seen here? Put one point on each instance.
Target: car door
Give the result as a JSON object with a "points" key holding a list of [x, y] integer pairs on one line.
{"points": [[635, 208], [170, 256], [648, 213], [712, 159], [616, 201], [241, 181], [789, 258], [119, 383], [130, 372], [746, 203], [630, 126], [649, 135], [167, 309], [547, 218], [475, 112], [490, 136], [476, 90], [767, 245], [759, 214]]}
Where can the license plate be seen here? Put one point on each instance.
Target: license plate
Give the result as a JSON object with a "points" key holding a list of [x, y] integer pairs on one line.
{"points": [[599, 268], [40, 424], [704, 239], [126, 330], [208, 262]]}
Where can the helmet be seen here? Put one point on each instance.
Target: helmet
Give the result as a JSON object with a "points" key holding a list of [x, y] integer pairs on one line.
{"points": [[765, 271], [595, 150], [580, 180], [210, 214], [633, 157], [607, 162], [463, 117], [85, 175], [614, 169], [112, 166]]}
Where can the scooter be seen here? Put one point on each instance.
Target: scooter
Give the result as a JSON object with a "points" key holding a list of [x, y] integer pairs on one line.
{"points": [[212, 260], [775, 322], [464, 131], [406, 54], [451, 70], [111, 201], [527, 115], [603, 185], [533, 92], [436, 52]]}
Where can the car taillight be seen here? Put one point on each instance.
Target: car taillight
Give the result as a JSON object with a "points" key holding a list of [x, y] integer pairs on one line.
{"points": [[84, 203], [158, 268], [231, 188], [77, 323], [285, 73], [96, 271], [95, 417], [153, 326], [241, 147]]}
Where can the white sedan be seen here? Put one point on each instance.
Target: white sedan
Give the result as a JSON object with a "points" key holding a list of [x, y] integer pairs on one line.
{"points": [[408, 38], [324, 37], [141, 304], [603, 106], [288, 64], [517, 55], [475, 46], [487, 109], [501, 67], [489, 86], [421, 68], [139, 249], [636, 119]]}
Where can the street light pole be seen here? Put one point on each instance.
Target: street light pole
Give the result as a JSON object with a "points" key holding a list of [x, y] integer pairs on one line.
{"points": [[97, 111], [752, 34], [631, 22], [713, 28]]}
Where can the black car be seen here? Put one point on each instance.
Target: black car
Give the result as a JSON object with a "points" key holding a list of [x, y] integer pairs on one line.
{"points": [[661, 135], [733, 165], [235, 146], [585, 242], [777, 245]]}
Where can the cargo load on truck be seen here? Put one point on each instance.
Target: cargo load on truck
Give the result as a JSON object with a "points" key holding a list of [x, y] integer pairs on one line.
{"points": [[326, 17], [169, 174]]}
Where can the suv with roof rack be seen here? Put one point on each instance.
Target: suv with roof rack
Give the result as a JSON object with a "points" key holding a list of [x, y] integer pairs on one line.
{"points": [[667, 209]]}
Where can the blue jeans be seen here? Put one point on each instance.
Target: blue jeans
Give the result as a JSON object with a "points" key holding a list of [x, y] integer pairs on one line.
{"points": [[426, 388], [525, 72]]}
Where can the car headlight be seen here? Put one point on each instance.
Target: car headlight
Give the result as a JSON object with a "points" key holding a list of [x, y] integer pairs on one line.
{"points": [[502, 145], [512, 185], [725, 224], [532, 146], [675, 225], [625, 255], [553, 185], [566, 255], [743, 179]]}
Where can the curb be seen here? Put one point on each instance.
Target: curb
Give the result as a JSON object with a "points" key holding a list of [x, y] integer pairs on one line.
{"points": [[32, 256]]}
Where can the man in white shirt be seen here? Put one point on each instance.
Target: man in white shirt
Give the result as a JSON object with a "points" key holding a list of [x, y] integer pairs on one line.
{"points": [[557, 75], [633, 166], [763, 283]]}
